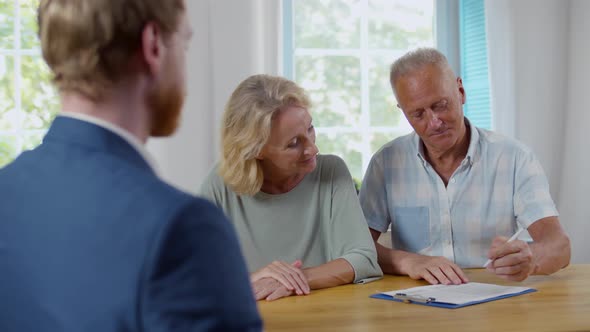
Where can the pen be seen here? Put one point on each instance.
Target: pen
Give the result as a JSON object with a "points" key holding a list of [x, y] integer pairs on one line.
{"points": [[368, 280], [512, 238]]}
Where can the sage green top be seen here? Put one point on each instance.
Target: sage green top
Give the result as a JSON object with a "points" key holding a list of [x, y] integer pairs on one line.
{"points": [[318, 221]]}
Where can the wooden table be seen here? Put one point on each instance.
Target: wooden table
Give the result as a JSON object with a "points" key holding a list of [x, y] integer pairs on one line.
{"points": [[562, 303]]}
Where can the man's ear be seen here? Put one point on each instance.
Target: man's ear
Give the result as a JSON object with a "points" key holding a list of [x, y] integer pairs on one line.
{"points": [[461, 90], [152, 47]]}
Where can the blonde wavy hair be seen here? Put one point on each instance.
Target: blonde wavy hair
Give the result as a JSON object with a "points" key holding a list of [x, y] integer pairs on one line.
{"points": [[88, 43], [246, 127]]}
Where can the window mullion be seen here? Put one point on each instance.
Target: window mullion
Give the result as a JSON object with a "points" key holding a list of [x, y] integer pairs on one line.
{"points": [[17, 78], [15, 53], [365, 120], [328, 52]]}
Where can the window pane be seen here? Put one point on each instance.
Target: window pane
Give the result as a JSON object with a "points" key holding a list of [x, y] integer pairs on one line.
{"points": [[333, 84], [400, 24], [28, 20], [8, 150], [6, 24], [326, 24], [40, 101], [384, 111], [31, 141], [354, 108], [380, 139], [347, 146], [10, 119]]}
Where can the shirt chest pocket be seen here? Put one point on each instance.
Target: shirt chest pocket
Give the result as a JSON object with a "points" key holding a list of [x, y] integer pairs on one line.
{"points": [[411, 228]]}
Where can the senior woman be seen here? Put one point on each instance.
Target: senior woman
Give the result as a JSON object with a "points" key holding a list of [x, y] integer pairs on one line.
{"points": [[296, 213]]}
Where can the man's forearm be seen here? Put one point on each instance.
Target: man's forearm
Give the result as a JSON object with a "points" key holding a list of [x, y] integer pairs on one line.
{"points": [[393, 261], [551, 248], [552, 255], [435, 270], [385, 259]]}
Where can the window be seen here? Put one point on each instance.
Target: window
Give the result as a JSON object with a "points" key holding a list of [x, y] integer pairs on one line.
{"points": [[340, 51], [28, 101]]}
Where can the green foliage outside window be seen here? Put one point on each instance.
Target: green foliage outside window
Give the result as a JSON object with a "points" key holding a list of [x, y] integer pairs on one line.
{"points": [[28, 101], [341, 53]]}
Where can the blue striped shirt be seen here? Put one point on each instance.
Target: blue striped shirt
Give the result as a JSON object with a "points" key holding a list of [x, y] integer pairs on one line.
{"points": [[499, 185]]}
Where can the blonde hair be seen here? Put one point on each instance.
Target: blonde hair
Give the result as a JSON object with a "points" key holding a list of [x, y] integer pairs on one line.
{"points": [[88, 43], [246, 127]]}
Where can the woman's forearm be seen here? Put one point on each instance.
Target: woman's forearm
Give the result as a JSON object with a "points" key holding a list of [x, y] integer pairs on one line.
{"points": [[334, 273]]}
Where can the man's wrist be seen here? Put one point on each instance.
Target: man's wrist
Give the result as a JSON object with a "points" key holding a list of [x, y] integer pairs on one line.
{"points": [[404, 261], [535, 267]]}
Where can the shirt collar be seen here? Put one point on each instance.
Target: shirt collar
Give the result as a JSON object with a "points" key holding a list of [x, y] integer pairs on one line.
{"points": [[471, 151], [124, 134], [473, 142]]}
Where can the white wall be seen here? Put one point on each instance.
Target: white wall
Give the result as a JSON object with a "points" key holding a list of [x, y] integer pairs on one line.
{"points": [[244, 41], [545, 43], [232, 40], [574, 195], [185, 158], [541, 57], [447, 30]]}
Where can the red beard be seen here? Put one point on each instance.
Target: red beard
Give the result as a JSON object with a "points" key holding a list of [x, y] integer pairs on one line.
{"points": [[166, 105]]}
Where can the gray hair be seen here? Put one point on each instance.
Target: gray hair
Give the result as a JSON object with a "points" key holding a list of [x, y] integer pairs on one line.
{"points": [[417, 59]]}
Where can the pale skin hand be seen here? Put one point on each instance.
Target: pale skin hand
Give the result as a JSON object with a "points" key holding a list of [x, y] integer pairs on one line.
{"points": [[334, 273], [435, 270], [516, 260], [511, 260], [289, 275], [270, 289]]}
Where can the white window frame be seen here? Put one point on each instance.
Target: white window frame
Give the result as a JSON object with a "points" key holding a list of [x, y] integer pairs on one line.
{"points": [[16, 53], [446, 32]]}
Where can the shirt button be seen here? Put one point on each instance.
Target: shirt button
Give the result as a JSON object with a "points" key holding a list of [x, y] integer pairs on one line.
{"points": [[453, 180]]}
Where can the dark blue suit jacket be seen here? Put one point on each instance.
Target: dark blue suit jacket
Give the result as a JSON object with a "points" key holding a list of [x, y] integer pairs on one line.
{"points": [[91, 240]]}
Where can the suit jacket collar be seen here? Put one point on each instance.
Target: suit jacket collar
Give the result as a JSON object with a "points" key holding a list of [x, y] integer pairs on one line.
{"points": [[70, 131]]}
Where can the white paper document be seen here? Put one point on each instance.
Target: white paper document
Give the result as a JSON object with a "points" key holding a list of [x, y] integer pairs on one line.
{"points": [[459, 294]]}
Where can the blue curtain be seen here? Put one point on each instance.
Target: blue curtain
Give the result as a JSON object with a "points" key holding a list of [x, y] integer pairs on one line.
{"points": [[474, 62]]}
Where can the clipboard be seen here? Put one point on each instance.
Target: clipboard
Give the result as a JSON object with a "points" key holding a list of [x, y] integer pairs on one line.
{"points": [[416, 295]]}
